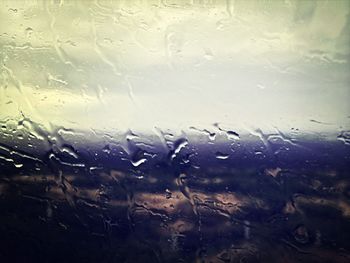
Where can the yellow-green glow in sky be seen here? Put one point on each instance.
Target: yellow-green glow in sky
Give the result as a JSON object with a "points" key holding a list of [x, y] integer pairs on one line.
{"points": [[113, 65]]}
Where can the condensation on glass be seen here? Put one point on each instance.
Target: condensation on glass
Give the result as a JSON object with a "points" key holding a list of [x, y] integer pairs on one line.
{"points": [[174, 131]]}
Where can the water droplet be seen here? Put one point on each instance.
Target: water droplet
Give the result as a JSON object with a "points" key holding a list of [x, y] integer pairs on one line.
{"points": [[221, 156], [301, 234], [138, 162]]}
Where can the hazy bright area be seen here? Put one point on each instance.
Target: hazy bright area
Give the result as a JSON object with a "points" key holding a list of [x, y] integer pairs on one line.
{"points": [[114, 65]]}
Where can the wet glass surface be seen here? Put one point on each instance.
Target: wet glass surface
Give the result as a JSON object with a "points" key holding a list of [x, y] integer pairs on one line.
{"points": [[174, 131]]}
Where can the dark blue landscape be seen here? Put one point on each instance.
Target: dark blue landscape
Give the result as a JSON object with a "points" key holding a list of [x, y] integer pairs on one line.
{"points": [[182, 198]]}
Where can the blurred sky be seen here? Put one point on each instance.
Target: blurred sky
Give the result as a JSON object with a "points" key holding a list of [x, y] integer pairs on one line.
{"points": [[113, 65]]}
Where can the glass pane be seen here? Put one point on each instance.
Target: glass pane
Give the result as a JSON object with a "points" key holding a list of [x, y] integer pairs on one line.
{"points": [[174, 131]]}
